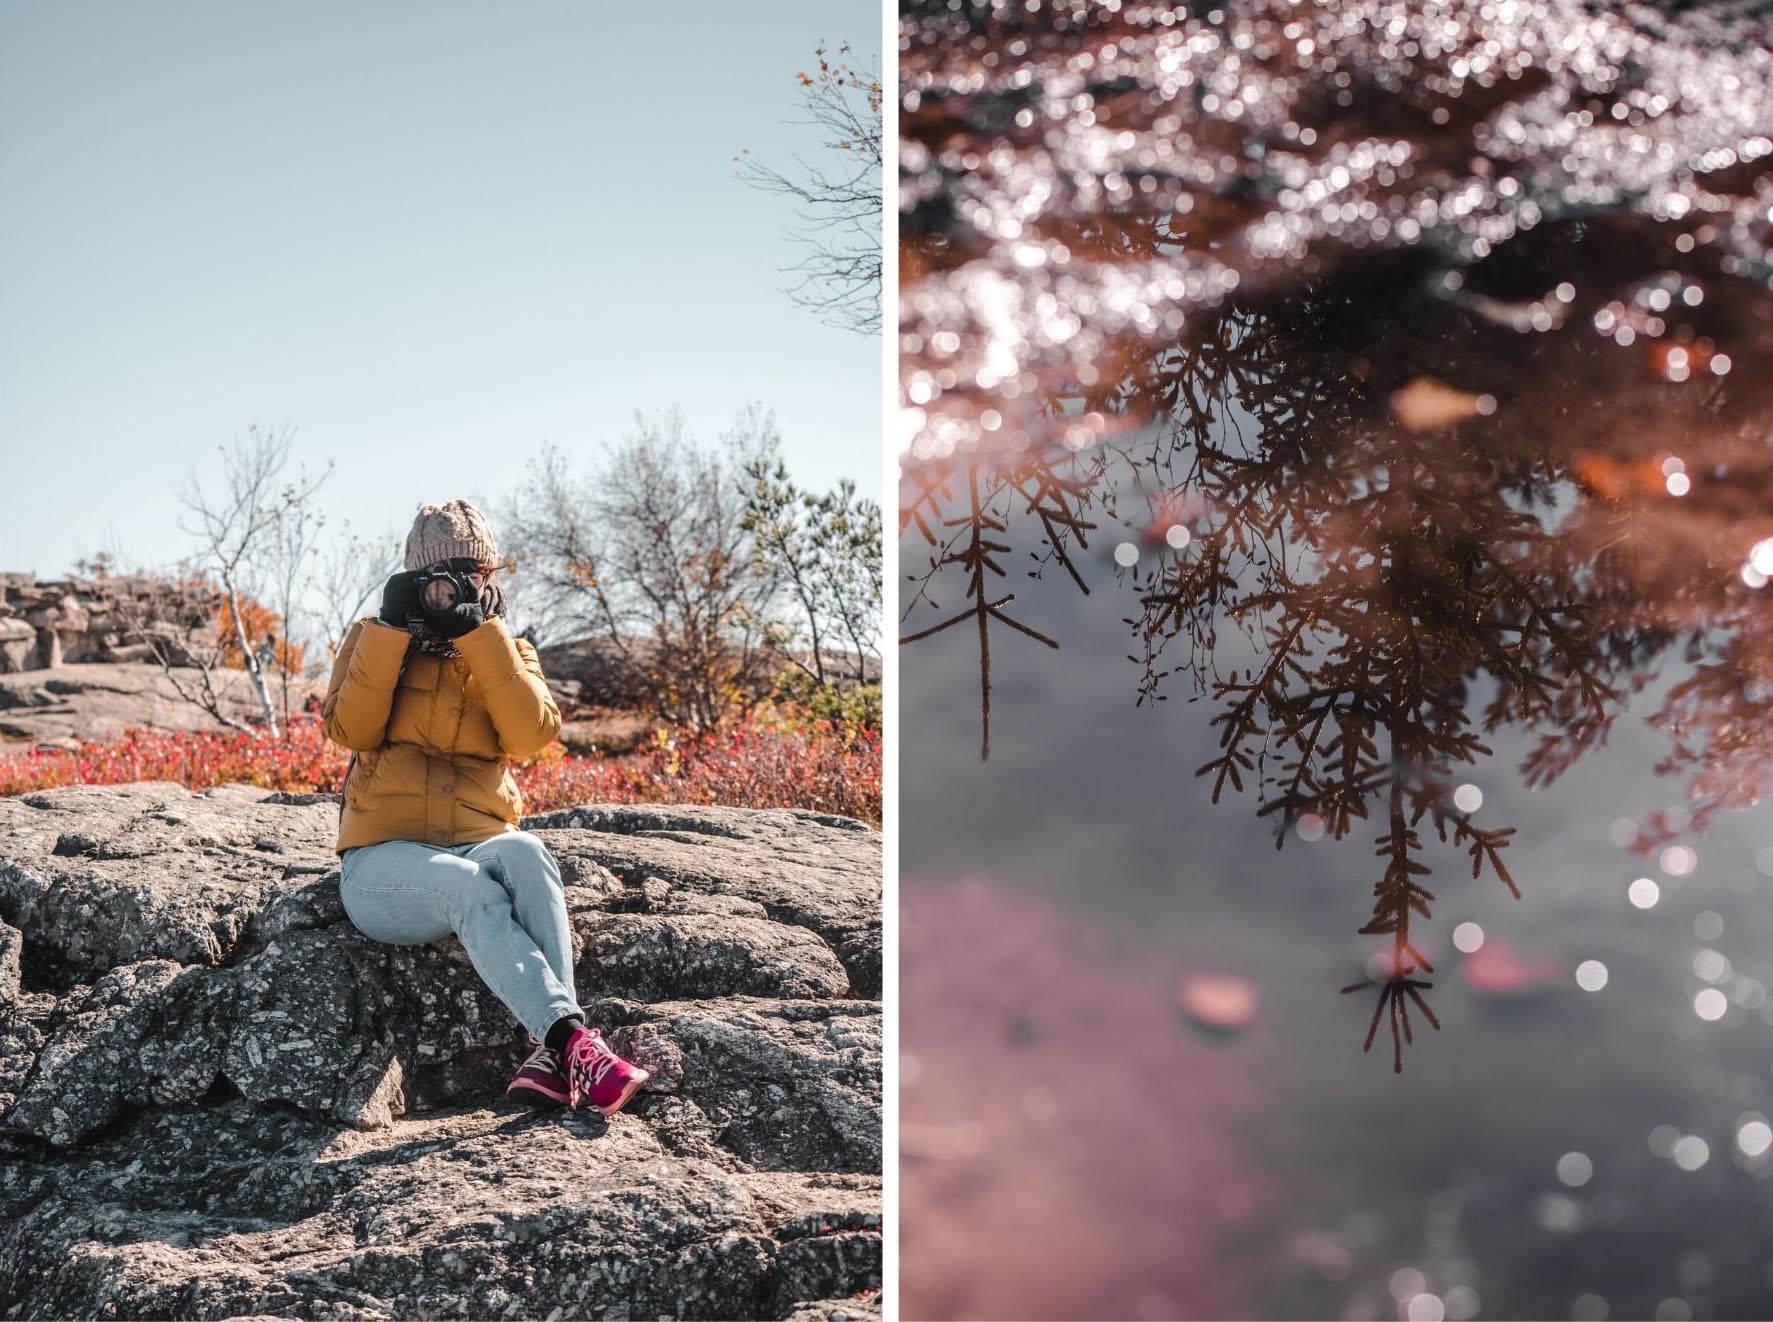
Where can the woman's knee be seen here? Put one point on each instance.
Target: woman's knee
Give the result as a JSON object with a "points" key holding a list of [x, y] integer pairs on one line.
{"points": [[525, 844], [523, 860]]}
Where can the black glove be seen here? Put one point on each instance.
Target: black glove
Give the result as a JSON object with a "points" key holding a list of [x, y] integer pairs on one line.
{"points": [[456, 621], [492, 600], [400, 599]]}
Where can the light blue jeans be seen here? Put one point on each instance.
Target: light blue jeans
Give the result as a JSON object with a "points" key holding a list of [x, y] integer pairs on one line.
{"points": [[502, 897]]}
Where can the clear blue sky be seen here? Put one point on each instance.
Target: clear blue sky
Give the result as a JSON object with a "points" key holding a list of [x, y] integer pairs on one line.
{"points": [[429, 236]]}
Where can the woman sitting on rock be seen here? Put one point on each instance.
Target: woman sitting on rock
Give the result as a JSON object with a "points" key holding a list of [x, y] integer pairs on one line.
{"points": [[435, 698]]}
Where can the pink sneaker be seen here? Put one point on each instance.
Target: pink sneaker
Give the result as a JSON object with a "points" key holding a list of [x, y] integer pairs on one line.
{"points": [[540, 1080], [597, 1075]]}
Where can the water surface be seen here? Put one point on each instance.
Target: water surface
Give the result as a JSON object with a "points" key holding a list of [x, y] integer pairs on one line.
{"points": [[1374, 614]]}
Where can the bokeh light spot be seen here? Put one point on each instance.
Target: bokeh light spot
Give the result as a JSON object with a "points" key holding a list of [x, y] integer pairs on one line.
{"points": [[1575, 1169], [1691, 1152]]}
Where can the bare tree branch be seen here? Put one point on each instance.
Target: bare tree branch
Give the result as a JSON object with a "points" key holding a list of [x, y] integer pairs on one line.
{"points": [[347, 578], [838, 197], [648, 555], [234, 528]]}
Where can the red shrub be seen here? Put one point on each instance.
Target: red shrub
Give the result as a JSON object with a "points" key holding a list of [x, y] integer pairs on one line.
{"points": [[814, 768]]}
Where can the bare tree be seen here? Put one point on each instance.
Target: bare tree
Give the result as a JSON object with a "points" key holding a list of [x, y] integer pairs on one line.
{"points": [[838, 196], [347, 579], [290, 547], [649, 555], [176, 620], [235, 526]]}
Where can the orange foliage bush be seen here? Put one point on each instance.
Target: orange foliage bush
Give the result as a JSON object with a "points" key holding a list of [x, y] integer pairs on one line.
{"points": [[813, 767], [261, 622]]}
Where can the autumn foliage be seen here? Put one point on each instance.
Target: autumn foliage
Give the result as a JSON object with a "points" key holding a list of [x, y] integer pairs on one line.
{"points": [[814, 765], [261, 622]]}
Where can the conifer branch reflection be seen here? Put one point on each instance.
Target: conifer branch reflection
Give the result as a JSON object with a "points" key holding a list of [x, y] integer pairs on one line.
{"points": [[974, 550], [1403, 595]]}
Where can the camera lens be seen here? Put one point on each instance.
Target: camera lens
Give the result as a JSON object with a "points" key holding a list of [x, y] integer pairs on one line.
{"points": [[440, 594]]}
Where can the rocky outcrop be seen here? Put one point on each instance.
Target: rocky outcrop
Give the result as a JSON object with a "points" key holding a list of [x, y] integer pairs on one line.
{"points": [[80, 659], [102, 700], [110, 618], [595, 679], [218, 1099]]}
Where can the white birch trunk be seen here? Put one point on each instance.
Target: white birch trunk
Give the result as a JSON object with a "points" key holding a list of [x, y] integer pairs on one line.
{"points": [[251, 659]]}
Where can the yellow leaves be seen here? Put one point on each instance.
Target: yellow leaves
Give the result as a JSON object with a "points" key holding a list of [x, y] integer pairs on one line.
{"points": [[664, 741]]}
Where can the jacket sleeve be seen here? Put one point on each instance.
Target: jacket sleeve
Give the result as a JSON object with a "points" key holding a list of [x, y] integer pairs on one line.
{"points": [[511, 684], [361, 692]]}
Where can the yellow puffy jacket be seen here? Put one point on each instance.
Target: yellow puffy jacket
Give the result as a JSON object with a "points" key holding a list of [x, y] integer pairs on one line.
{"points": [[434, 736]]}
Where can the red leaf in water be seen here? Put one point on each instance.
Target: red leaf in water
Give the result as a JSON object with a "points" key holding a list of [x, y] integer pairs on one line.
{"points": [[1498, 969], [1219, 1002]]}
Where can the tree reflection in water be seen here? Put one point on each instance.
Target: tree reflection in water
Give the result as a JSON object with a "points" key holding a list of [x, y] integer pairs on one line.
{"points": [[1410, 587]]}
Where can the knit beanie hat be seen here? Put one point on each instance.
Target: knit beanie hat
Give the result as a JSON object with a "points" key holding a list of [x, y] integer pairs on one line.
{"points": [[451, 531]]}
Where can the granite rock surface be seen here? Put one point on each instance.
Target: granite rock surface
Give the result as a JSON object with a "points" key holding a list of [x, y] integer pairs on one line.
{"points": [[218, 1099]]}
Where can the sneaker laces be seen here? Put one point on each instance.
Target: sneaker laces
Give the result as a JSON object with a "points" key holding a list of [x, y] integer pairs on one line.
{"points": [[542, 1059], [592, 1058]]}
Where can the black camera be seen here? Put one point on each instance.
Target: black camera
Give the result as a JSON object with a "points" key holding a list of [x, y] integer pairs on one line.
{"points": [[441, 588]]}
